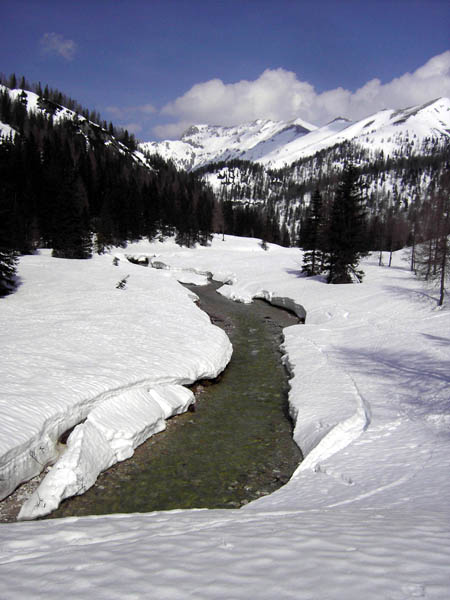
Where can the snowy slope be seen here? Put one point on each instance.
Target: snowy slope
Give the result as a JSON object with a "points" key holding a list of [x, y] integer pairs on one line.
{"points": [[32, 104], [202, 144], [6, 131], [364, 516], [59, 113], [276, 144], [388, 130], [66, 359]]}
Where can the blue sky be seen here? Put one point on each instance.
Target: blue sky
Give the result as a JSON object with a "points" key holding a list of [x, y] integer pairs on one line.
{"points": [[156, 66]]}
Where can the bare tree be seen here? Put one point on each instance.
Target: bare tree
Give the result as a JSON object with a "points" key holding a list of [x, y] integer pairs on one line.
{"points": [[432, 258]]}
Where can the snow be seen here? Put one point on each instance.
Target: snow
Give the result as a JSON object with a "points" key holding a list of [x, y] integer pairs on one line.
{"points": [[202, 144], [276, 144], [6, 131], [74, 342], [386, 130], [108, 435], [366, 515]]}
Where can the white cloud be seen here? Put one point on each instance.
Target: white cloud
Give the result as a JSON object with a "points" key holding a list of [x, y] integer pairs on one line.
{"points": [[54, 43], [278, 94]]}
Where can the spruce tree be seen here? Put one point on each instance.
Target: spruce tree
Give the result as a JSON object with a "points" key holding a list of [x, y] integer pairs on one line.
{"points": [[72, 236], [346, 236], [312, 237], [8, 201], [8, 255]]}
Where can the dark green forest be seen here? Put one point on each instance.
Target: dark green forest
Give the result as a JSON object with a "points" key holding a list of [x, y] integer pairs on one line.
{"points": [[70, 185]]}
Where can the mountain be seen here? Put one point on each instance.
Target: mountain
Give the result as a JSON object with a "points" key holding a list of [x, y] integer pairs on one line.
{"points": [[402, 158], [277, 144], [93, 133], [202, 144], [390, 131]]}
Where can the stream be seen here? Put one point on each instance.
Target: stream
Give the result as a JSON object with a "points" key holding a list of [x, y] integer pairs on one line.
{"points": [[235, 447]]}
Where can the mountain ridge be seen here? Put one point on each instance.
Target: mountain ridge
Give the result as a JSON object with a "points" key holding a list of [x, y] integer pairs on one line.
{"points": [[91, 130], [276, 144]]}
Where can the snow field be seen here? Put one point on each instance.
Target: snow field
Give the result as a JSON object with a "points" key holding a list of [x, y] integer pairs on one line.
{"points": [[366, 515]]}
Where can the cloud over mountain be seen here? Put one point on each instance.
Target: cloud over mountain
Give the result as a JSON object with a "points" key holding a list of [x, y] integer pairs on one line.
{"points": [[278, 94]]}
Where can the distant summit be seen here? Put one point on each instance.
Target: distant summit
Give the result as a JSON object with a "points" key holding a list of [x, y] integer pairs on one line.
{"points": [[202, 144], [277, 144]]}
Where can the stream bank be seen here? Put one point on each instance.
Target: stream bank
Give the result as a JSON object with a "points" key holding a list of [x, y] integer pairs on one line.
{"points": [[238, 444]]}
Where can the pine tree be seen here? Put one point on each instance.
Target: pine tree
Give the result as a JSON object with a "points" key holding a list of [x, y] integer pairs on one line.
{"points": [[346, 237], [72, 237], [8, 264], [8, 254], [312, 236]]}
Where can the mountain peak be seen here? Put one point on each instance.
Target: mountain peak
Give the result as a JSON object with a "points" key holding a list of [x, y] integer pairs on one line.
{"points": [[279, 143]]}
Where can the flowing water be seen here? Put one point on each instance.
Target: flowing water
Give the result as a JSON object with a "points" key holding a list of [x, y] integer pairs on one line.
{"points": [[235, 447]]}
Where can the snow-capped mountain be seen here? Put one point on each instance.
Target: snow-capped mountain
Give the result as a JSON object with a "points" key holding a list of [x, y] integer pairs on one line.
{"points": [[202, 144], [276, 144], [392, 131]]}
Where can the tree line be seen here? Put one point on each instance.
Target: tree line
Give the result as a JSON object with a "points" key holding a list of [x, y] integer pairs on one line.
{"points": [[391, 186], [54, 100], [63, 187]]}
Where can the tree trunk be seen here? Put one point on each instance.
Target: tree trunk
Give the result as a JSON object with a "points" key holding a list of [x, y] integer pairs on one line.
{"points": [[443, 269]]}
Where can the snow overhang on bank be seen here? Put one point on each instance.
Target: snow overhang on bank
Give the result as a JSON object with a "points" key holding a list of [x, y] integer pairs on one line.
{"points": [[110, 434], [111, 360]]}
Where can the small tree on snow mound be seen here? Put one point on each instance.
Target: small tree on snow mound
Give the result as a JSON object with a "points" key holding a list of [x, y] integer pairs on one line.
{"points": [[122, 284]]}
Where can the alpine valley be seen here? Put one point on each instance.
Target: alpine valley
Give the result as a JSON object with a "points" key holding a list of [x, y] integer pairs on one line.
{"points": [[276, 165], [254, 179]]}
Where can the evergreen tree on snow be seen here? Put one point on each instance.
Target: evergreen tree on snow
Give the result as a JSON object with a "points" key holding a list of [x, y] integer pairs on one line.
{"points": [[72, 237], [8, 241], [312, 236], [346, 236]]}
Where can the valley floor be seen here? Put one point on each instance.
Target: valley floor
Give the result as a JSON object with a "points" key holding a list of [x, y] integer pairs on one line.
{"points": [[366, 515]]}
